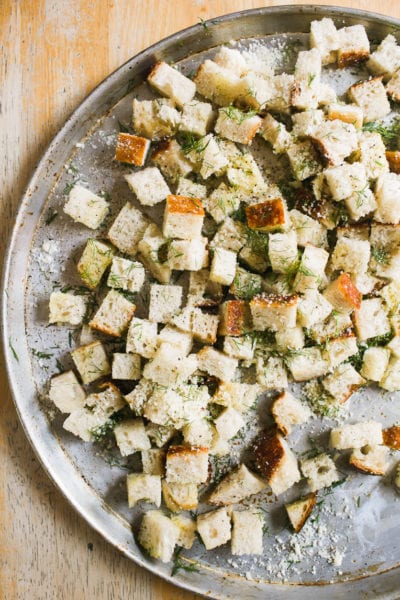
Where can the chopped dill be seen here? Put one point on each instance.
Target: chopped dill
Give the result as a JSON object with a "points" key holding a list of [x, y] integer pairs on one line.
{"points": [[15, 355], [192, 144], [238, 115], [389, 132], [103, 431], [181, 565], [380, 255], [40, 354]]}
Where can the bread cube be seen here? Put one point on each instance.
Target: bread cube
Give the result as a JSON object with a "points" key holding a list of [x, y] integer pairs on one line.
{"points": [[245, 521], [126, 274], [342, 294], [346, 179], [291, 338], [324, 36], [148, 185], [299, 511], [312, 307], [222, 202], [304, 160], [131, 437], [244, 174], [245, 284], [370, 320], [232, 60], [370, 459], [188, 255], [356, 435], [385, 60], [126, 366], [282, 251], [183, 319], [171, 83], [387, 194], [186, 465], [214, 528], [230, 236], [158, 535], [371, 97], [289, 411], [311, 271], [142, 337], [198, 432], [187, 529], [307, 73], [234, 317], [390, 294], [267, 216], [391, 437], [393, 158], [257, 92], [353, 45], [236, 125], [217, 83], [334, 141], [326, 94], [66, 392], [138, 397], [348, 113], [373, 154], [236, 486], [393, 87], [85, 207], [280, 99], [155, 119], [216, 363], [171, 335], [307, 363], [256, 261], [204, 326], [153, 461], [275, 133], [168, 367], [131, 149], [228, 423], [351, 255], [343, 382], [273, 312], [165, 301], [308, 230], [197, 118], [149, 247], [91, 361], [223, 266], [128, 229], [190, 189], [339, 349], [375, 362], [240, 396], [219, 447], [114, 315], [271, 373], [165, 407], [87, 335], [391, 378], [304, 122], [320, 472], [180, 496], [361, 203], [276, 461], [394, 346], [67, 308], [95, 259], [170, 159]]}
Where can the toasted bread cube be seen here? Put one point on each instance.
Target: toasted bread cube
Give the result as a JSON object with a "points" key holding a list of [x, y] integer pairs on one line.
{"points": [[385, 60], [142, 337], [343, 382], [311, 271], [276, 461], [236, 486], [393, 87], [339, 349], [245, 284], [373, 154], [66, 392], [267, 216], [171, 161], [387, 193], [348, 113], [138, 397], [245, 521], [234, 317], [346, 179], [197, 118], [299, 511], [303, 160], [370, 320], [236, 125], [95, 259], [391, 437], [375, 362], [281, 97], [256, 92], [230, 236], [342, 294], [228, 423], [288, 411], [131, 436], [223, 266], [240, 396], [148, 185], [214, 528], [126, 366], [356, 435], [208, 157], [291, 338], [244, 174], [222, 202], [282, 251], [307, 74], [232, 60], [168, 367], [370, 459], [65, 307], [153, 241], [128, 229], [334, 326], [158, 535], [273, 312], [190, 189], [165, 407], [186, 465], [334, 141], [171, 335], [131, 149], [271, 373], [216, 363], [256, 261], [361, 203], [326, 94], [204, 327], [304, 122], [179, 496], [308, 230], [91, 361], [155, 119], [217, 83], [126, 274], [188, 255], [390, 294], [351, 255], [307, 363], [393, 158], [85, 207], [153, 461], [198, 432], [275, 133], [114, 314], [312, 308], [353, 45], [187, 530], [391, 378], [171, 83], [160, 434], [371, 97], [165, 302], [324, 36], [320, 471]]}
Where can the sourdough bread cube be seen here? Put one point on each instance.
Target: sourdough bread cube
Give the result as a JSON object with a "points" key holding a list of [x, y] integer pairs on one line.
{"points": [[353, 45], [282, 251], [385, 60], [126, 366], [236, 486], [375, 362], [183, 319], [299, 511], [276, 461], [370, 320], [271, 373], [128, 229], [267, 216], [280, 100], [148, 185], [142, 337], [370, 459], [65, 307], [320, 472], [153, 461], [197, 118], [85, 207], [132, 149], [171, 335], [149, 247], [114, 315], [273, 312], [244, 174], [365, 282], [222, 202], [241, 347], [208, 157], [232, 60], [356, 435], [198, 432], [168, 367], [257, 92], [387, 194], [165, 407], [158, 535], [187, 530], [223, 266], [236, 125], [66, 392], [180, 496], [351, 255], [391, 378], [390, 294], [217, 84], [231, 235], [324, 36], [138, 397], [165, 302], [371, 97], [326, 94], [240, 396], [131, 436], [171, 161], [393, 159], [188, 255], [289, 411], [311, 271], [307, 74], [275, 133], [312, 307], [95, 259], [204, 326], [303, 160], [291, 338], [334, 141], [186, 465], [91, 361], [342, 294], [308, 230], [391, 437], [244, 522], [385, 263], [190, 189], [394, 346], [126, 274], [87, 335], [373, 154], [335, 325], [228, 423], [348, 113], [160, 434], [343, 382], [155, 119], [234, 317], [361, 203], [246, 284], [214, 528], [171, 83], [256, 261], [307, 363], [219, 447], [393, 87], [339, 349], [304, 122], [346, 179], [216, 363]]}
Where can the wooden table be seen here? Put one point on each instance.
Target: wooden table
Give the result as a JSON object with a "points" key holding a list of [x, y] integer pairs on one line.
{"points": [[53, 53]]}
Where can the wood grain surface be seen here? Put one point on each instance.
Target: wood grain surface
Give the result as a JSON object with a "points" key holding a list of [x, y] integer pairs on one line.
{"points": [[53, 53]]}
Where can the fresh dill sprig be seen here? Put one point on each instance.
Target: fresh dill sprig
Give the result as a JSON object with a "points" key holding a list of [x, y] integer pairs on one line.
{"points": [[181, 565], [389, 132], [380, 255]]}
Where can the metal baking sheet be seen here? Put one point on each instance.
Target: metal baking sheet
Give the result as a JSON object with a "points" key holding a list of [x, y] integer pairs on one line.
{"points": [[353, 544]]}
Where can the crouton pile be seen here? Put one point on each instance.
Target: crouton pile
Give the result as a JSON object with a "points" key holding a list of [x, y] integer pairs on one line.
{"points": [[251, 285]]}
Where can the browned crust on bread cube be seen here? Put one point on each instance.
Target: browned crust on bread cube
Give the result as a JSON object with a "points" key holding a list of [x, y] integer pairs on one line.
{"points": [[268, 452], [347, 58], [184, 205], [131, 149], [235, 317], [274, 300], [364, 468], [185, 451], [266, 216], [391, 437], [393, 158], [346, 117], [303, 507], [343, 294]]}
